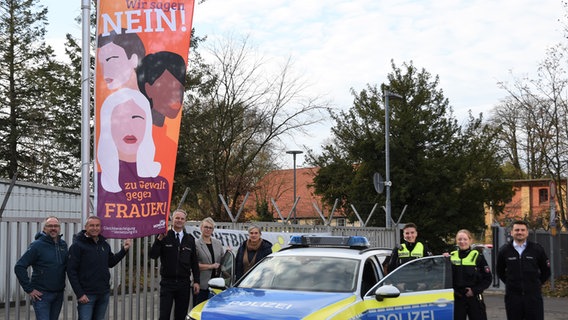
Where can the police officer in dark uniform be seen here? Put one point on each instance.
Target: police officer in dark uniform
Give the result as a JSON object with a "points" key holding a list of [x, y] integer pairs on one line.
{"points": [[524, 267], [410, 249], [471, 276], [178, 256]]}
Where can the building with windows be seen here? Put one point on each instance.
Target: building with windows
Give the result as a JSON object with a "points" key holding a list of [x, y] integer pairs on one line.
{"points": [[533, 200]]}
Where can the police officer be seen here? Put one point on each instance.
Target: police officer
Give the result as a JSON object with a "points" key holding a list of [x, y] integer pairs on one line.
{"points": [[178, 256], [471, 276], [410, 249], [524, 267]]}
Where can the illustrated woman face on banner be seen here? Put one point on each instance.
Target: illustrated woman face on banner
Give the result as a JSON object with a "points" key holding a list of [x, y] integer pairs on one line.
{"points": [[161, 78], [119, 56], [125, 135], [128, 126]]}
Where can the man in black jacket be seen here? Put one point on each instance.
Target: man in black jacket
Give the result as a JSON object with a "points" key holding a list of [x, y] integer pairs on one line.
{"points": [[90, 258], [523, 266], [178, 257]]}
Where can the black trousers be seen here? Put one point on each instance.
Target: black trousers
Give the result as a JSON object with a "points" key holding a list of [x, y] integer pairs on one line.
{"points": [[524, 307], [200, 297], [470, 308], [177, 293]]}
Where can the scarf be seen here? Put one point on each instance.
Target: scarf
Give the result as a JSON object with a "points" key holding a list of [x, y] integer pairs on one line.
{"points": [[251, 246]]}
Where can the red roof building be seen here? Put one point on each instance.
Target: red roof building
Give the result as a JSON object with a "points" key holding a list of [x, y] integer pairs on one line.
{"points": [[278, 185]]}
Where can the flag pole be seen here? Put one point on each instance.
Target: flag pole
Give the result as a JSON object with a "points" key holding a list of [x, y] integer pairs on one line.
{"points": [[85, 110]]}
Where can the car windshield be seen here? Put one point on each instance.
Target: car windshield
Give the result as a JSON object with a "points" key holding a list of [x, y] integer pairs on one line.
{"points": [[329, 274]]}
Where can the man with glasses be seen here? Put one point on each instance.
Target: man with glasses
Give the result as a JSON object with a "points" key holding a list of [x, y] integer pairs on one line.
{"points": [[48, 257]]}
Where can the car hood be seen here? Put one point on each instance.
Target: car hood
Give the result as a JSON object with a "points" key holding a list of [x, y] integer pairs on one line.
{"points": [[241, 303]]}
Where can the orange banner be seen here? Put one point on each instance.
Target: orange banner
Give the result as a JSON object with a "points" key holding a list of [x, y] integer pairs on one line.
{"points": [[141, 62]]}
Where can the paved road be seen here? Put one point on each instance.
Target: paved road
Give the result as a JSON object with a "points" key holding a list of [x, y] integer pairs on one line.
{"points": [[554, 308]]}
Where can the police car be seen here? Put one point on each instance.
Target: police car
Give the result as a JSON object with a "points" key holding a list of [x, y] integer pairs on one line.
{"points": [[331, 278]]}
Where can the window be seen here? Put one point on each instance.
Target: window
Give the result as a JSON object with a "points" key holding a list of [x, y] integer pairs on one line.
{"points": [[542, 195], [304, 273], [370, 277], [430, 273]]}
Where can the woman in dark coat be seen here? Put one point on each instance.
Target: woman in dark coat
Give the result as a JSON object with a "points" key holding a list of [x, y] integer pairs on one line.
{"points": [[251, 251]]}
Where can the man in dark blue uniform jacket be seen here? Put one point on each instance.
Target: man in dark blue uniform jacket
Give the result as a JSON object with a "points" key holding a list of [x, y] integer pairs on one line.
{"points": [[178, 257], [524, 267]]}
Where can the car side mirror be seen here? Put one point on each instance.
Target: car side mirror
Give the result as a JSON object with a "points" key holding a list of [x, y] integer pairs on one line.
{"points": [[386, 291], [217, 283]]}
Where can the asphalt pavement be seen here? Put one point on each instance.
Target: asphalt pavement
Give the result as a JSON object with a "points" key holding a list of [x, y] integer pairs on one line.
{"points": [[554, 308]]}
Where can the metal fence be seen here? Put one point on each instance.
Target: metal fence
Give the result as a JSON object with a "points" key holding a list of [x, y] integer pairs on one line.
{"points": [[135, 281]]}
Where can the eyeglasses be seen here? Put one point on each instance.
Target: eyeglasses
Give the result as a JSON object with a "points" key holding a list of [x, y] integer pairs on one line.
{"points": [[52, 226], [208, 227]]}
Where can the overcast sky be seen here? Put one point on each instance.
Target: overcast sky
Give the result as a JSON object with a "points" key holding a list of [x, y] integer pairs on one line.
{"points": [[342, 44]]}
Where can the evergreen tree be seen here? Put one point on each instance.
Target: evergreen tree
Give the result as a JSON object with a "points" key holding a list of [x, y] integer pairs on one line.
{"points": [[32, 84], [439, 170]]}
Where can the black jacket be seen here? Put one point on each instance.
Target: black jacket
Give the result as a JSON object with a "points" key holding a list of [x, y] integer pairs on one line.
{"points": [[523, 274], [477, 277], [178, 261], [264, 250], [89, 263]]}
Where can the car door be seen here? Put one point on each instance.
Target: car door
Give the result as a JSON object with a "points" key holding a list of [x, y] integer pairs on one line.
{"points": [[420, 289], [226, 272]]}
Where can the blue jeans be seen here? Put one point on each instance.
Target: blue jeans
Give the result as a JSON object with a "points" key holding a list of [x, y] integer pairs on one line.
{"points": [[95, 309], [49, 306]]}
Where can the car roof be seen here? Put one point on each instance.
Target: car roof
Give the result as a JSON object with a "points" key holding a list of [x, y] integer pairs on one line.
{"points": [[332, 252]]}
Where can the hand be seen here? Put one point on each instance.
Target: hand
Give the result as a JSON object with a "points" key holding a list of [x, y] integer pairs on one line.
{"points": [[127, 244], [161, 236], [215, 266], [468, 292], [195, 288], [446, 254], [84, 299], [35, 295]]}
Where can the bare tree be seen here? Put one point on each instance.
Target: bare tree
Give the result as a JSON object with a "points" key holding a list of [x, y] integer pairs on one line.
{"points": [[533, 123], [234, 122]]}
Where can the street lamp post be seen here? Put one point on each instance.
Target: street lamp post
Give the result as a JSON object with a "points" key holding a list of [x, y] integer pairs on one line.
{"points": [[387, 95], [294, 153]]}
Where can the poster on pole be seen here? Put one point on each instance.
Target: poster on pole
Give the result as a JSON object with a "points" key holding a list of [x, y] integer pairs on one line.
{"points": [[140, 68]]}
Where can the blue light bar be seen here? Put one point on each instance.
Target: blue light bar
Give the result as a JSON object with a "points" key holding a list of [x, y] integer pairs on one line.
{"points": [[330, 241]]}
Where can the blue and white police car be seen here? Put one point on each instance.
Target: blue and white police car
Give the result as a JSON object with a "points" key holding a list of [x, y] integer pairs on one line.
{"points": [[331, 278]]}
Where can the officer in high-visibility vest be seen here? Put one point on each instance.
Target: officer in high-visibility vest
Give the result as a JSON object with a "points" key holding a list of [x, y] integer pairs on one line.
{"points": [[410, 249], [471, 276]]}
